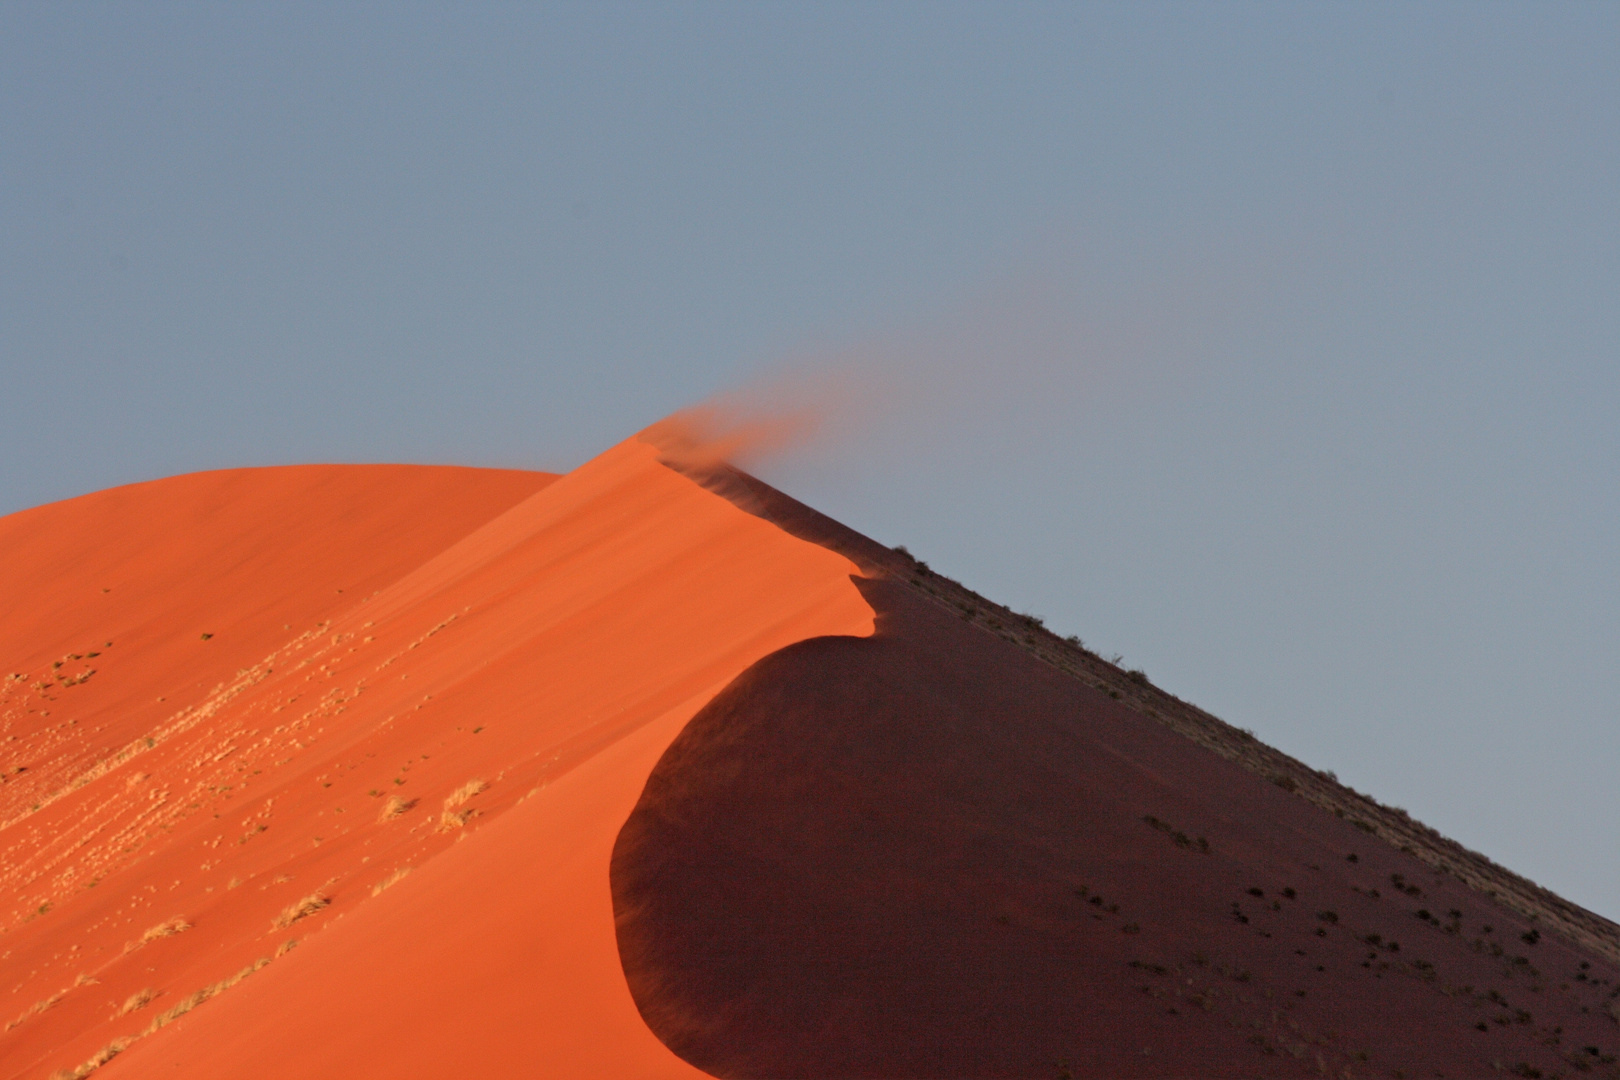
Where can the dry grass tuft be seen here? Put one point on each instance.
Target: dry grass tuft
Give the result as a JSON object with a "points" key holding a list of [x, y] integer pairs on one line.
{"points": [[38, 1007], [189, 1002], [465, 792], [286, 946], [394, 807], [165, 929], [304, 908], [391, 880], [97, 1060], [451, 820], [137, 1000]]}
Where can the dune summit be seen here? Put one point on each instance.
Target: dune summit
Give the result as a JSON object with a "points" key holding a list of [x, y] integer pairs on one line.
{"points": [[648, 770]]}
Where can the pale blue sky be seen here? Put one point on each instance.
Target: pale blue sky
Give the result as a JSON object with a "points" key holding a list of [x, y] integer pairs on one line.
{"points": [[1276, 347]]}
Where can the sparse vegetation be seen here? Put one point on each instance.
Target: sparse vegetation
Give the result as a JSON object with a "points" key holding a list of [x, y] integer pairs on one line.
{"points": [[1180, 838], [465, 792], [390, 881], [394, 807], [137, 1000], [1405, 886], [451, 820], [303, 909], [167, 928], [191, 1001]]}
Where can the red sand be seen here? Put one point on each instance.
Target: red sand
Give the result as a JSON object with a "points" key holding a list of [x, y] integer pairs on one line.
{"points": [[674, 793], [550, 646]]}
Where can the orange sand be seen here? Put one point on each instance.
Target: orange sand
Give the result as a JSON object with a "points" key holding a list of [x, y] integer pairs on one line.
{"points": [[378, 633]]}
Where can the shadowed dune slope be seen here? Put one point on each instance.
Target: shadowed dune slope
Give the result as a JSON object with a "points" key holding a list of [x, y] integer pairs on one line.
{"points": [[925, 853], [363, 833]]}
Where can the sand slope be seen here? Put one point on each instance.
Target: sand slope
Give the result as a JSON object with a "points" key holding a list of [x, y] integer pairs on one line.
{"points": [[926, 854], [508, 658]]}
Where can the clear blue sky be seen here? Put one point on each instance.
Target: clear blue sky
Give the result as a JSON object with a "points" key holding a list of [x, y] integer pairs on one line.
{"points": [[1276, 347]]}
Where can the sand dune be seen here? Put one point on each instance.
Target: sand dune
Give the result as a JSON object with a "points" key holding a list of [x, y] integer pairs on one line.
{"points": [[546, 638], [649, 771]]}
